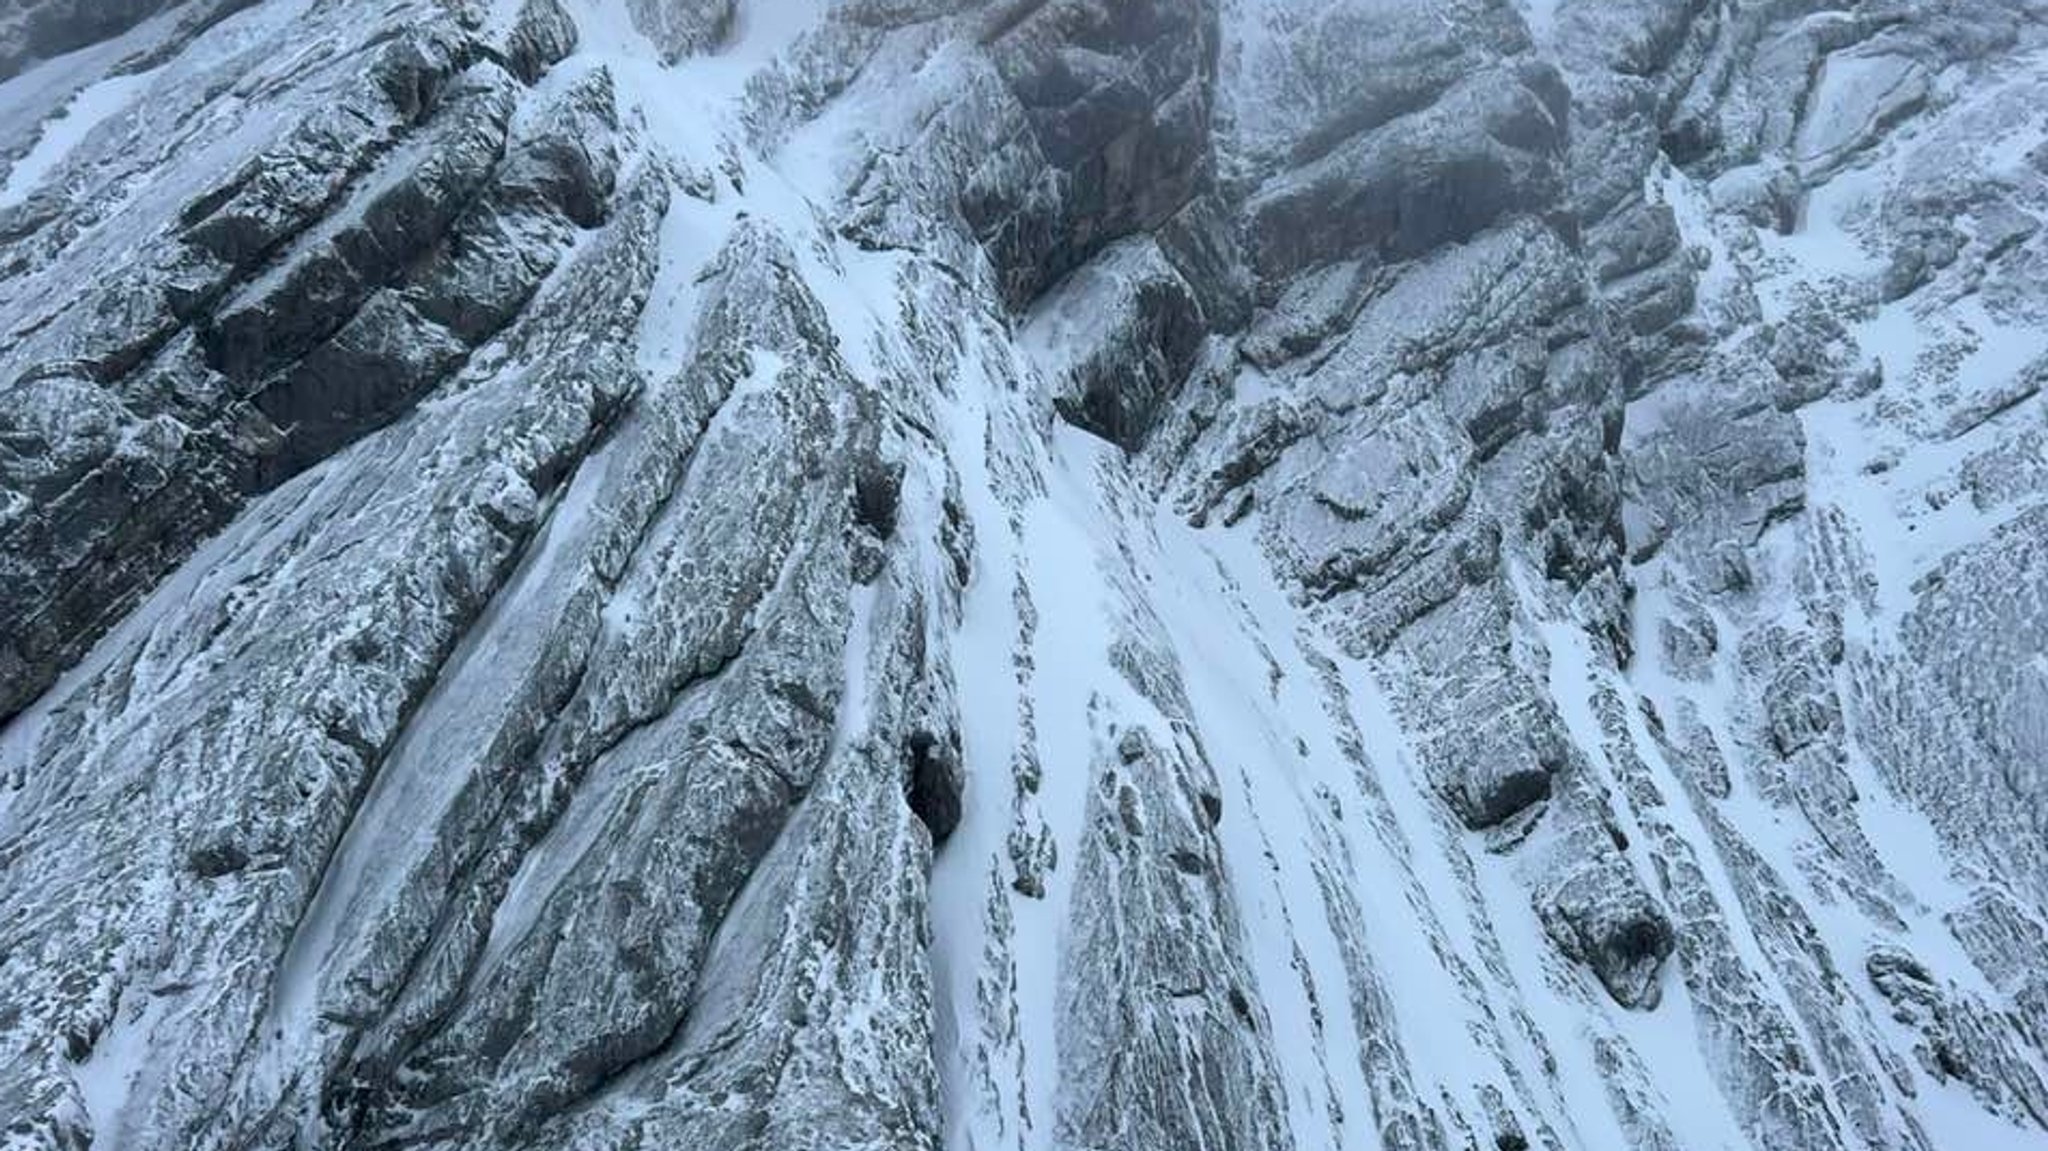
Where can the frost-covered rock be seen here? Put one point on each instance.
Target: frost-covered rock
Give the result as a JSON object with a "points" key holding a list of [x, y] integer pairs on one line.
{"points": [[1043, 574]]}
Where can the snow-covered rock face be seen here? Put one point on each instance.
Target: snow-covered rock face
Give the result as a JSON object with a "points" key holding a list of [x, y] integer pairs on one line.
{"points": [[1042, 574]]}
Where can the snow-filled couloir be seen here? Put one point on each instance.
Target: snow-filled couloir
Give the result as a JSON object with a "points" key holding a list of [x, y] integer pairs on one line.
{"points": [[1024, 575]]}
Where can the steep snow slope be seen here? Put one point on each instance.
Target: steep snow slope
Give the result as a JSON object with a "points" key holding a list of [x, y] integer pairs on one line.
{"points": [[1073, 574]]}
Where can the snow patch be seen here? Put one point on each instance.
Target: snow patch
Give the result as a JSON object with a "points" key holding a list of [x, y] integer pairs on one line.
{"points": [[91, 107]]}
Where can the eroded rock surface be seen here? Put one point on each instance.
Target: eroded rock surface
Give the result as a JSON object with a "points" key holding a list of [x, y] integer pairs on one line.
{"points": [[1039, 574]]}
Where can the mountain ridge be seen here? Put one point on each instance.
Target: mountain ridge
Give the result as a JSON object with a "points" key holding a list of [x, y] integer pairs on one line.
{"points": [[1074, 574]]}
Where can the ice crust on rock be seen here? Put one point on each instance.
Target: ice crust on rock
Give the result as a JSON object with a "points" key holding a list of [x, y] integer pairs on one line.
{"points": [[1056, 575]]}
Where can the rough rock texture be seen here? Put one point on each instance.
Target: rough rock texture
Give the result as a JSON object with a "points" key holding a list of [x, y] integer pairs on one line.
{"points": [[1086, 575]]}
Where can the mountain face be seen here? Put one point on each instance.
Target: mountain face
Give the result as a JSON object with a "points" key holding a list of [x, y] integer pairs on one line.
{"points": [[1098, 575]]}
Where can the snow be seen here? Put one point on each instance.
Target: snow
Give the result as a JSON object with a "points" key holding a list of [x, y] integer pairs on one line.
{"points": [[1913, 856], [67, 129], [120, 1057], [146, 636], [1902, 522], [693, 130], [960, 877], [856, 658], [1669, 1048], [1279, 794], [1251, 725], [433, 758], [1889, 462], [1854, 99], [570, 837], [1060, 555], [1956, 1119], [162, 661], [1541, 16], [1093, 563], [1100, 560], [1693, 212], [1065, 548], [1070, 319], [48, 108]]}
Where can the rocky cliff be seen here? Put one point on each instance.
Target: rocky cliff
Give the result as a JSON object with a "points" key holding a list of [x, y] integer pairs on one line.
{"points": [[1097, 575]]}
